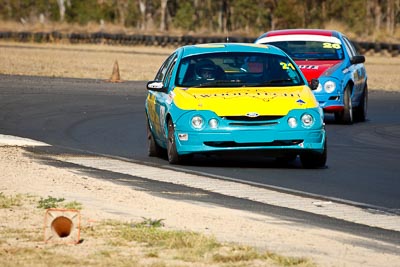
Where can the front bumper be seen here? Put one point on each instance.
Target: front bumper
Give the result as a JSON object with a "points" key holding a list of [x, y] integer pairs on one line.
{"points": [[273, 134], [276, 142], [330, 102]]}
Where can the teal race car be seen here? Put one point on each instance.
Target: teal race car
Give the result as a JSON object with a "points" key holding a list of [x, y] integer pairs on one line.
{"points": [[234, 98]]}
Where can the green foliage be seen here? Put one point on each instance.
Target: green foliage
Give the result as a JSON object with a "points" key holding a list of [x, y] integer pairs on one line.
{"points": [[52, 202], [245, 14], [49, 202], [289, 14], [358, 16], [9, 201], [190, 246], [133, 16], [28, 9], [83, 12], [147, 222], [184, 16], [73, 205]]}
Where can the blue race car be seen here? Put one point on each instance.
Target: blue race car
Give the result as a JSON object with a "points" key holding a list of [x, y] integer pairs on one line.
{"points": [[330, 57], [213, 98]]}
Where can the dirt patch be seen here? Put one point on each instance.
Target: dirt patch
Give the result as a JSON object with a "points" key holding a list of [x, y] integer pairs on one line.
{"points": [[105, 200]]}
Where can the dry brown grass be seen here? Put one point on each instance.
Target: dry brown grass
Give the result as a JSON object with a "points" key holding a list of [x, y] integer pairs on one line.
{"points": [[80, 61], [135, 62], [48, 26], [115, 243], [383, 72]]}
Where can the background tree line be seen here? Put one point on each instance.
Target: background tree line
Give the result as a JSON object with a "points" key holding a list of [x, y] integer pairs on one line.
{"points": [[368, 19]]}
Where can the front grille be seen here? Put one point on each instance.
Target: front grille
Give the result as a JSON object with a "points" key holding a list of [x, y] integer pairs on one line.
{"points": [[256, 144], [253, 123], [259, 118]]}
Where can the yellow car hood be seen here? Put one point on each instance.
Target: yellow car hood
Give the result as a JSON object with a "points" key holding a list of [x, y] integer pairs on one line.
{"points": [[242, 101]]}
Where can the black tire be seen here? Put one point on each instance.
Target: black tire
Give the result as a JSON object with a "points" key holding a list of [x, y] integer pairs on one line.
{"points": [[173, 156], [345, 116], [314, 160], [361, 110], [153, 149], [285, 159]]}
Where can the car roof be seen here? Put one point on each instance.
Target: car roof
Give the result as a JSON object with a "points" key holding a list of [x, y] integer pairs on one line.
{"points": [[299, 34], [191, 50], [302, 31]]}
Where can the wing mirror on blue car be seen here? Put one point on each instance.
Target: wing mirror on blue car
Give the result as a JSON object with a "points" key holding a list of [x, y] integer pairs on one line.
{"points": [[314, 84], [357, 59]]}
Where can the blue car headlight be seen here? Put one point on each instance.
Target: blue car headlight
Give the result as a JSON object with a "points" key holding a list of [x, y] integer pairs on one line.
{"points": [[319, 88], [329, 87]]}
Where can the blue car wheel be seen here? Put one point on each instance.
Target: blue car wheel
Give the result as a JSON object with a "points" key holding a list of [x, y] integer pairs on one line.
{"points": [[346, 115], [361, 110]]}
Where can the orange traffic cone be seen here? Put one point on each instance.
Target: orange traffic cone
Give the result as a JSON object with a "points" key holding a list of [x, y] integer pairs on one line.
{"points": [[62, 226], [115, 76]]}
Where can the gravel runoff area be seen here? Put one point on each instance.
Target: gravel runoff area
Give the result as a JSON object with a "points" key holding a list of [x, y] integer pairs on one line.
{"points": [[22, 174]]}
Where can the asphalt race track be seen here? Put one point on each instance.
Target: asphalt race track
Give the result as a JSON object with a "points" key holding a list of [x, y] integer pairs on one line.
{"points": [[108, 118]]}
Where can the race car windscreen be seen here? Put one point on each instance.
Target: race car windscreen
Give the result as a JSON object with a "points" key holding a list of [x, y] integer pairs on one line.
{"points": [[311, 50], [237, 70]]}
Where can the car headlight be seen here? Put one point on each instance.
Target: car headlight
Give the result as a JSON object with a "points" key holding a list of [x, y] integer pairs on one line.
{"points": [[307, 120], [319, 88], [197, 122], [292, 122], [213, 123], [329, 87]]}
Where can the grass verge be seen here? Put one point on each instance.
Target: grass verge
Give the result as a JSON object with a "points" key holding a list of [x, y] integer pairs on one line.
{"points": [[116, 243]]}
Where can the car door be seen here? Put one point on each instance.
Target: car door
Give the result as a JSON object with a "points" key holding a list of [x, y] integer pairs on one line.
{"points": [[158, 101], [357, 71]]}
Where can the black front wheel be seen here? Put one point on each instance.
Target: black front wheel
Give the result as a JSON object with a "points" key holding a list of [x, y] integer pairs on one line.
{"points": [[314, 160], [153, 149], [173, 156], [361, 110]]}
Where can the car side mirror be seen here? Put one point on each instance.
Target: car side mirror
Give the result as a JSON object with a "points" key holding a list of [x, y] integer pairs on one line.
{"points": [[357, 59], [314, 84], [156, 86]]}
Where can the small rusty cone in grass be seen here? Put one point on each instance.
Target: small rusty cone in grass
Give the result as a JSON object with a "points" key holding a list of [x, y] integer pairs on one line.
{"points": [[115, 76], [62, 226]]}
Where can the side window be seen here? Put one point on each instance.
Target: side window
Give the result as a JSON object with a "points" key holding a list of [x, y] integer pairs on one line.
{"points": [[163, 70], [168, 75], [350, 48]]}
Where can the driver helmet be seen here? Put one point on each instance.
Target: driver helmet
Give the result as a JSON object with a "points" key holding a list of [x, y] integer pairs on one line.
{"points": [[206, 69]]}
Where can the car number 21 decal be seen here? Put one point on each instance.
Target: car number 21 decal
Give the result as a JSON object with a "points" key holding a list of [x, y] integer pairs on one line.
{"points": [[286, 66]]}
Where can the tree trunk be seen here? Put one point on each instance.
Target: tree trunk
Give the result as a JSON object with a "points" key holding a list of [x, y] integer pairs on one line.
{"points": [[142, 9], [122, 7], [390, 17], [378, 16], [163, 22], [61, 7]]}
